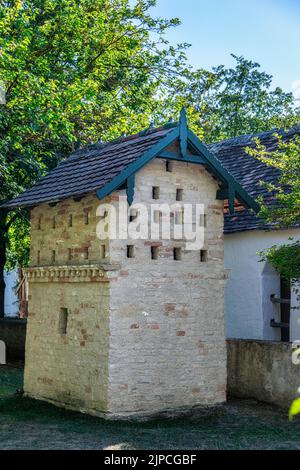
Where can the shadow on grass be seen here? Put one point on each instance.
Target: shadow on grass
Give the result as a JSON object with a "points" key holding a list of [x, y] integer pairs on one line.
{"points": [[27, 409], [241, 424], [21, 412]]}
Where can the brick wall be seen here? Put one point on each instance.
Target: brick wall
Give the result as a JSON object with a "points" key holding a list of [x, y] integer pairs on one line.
{"points": [[71, 368], [66, 229], [143, 335], [68, 368], [167, 347]]}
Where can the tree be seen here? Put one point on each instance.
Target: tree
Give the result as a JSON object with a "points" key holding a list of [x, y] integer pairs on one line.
{"points": [[76, 71], [284, 208], [228, 102], [73, 72], [281, 206]]}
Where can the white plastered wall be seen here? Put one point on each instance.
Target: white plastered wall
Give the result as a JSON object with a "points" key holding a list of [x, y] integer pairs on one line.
{"points": [[11, 303], [248, 309]]}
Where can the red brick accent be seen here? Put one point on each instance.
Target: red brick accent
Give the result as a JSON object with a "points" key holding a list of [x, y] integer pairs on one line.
{"points": [[45, 380], [123, 387], [169, 307], [150, 243], [195, 276], [154, 326], [124, 273]]}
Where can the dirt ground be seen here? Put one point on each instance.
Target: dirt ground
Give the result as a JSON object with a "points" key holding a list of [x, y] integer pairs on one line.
{"points": [[240, 424]]}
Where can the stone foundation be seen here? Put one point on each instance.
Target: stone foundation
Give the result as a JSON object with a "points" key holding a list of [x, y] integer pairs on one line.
{"points": [[262, 370]]}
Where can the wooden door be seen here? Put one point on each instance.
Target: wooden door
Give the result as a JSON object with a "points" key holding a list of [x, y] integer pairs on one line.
{"points": [[285, 308]]}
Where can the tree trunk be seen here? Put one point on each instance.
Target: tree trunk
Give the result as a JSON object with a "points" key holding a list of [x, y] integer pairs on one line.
{"points": [[3, 239]]}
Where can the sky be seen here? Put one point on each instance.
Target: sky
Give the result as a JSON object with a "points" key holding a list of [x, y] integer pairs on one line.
{"points": [[265, 31]]}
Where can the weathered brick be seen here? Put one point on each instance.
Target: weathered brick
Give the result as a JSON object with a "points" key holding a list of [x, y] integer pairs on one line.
{"points": [[154, 326], [169, 307], [152, 243], [123, 330]]}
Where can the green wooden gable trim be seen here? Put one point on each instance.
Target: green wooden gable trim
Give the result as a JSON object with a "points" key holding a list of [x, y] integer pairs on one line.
{"points": [[230, 188], [183, 133], [230, 183], [131, 169], [189, 158], [130, 189]]}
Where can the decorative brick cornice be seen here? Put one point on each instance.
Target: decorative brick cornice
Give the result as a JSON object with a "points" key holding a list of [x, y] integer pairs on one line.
{"points": [[74, 273]]}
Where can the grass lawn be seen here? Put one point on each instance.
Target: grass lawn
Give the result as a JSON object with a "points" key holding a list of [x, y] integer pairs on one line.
{"points": [[240, 424]]}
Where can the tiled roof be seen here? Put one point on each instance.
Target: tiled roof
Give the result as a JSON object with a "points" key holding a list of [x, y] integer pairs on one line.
{"points": [[93, 167], [88, 169], [249, 172]]}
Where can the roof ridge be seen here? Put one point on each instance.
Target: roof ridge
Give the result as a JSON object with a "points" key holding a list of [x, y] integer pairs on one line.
{"points": [[241, 139], [103, 145]]}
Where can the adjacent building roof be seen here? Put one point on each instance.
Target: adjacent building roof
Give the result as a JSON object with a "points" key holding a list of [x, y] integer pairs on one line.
{"points": [[249, 172]]}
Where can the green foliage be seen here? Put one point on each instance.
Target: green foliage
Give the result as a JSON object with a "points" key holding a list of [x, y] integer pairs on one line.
{"points": [[228, 102], [285, 259], [78, 71], [74, 73], [281, 205], [19, 237], [285, 210], [294, 409]]}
